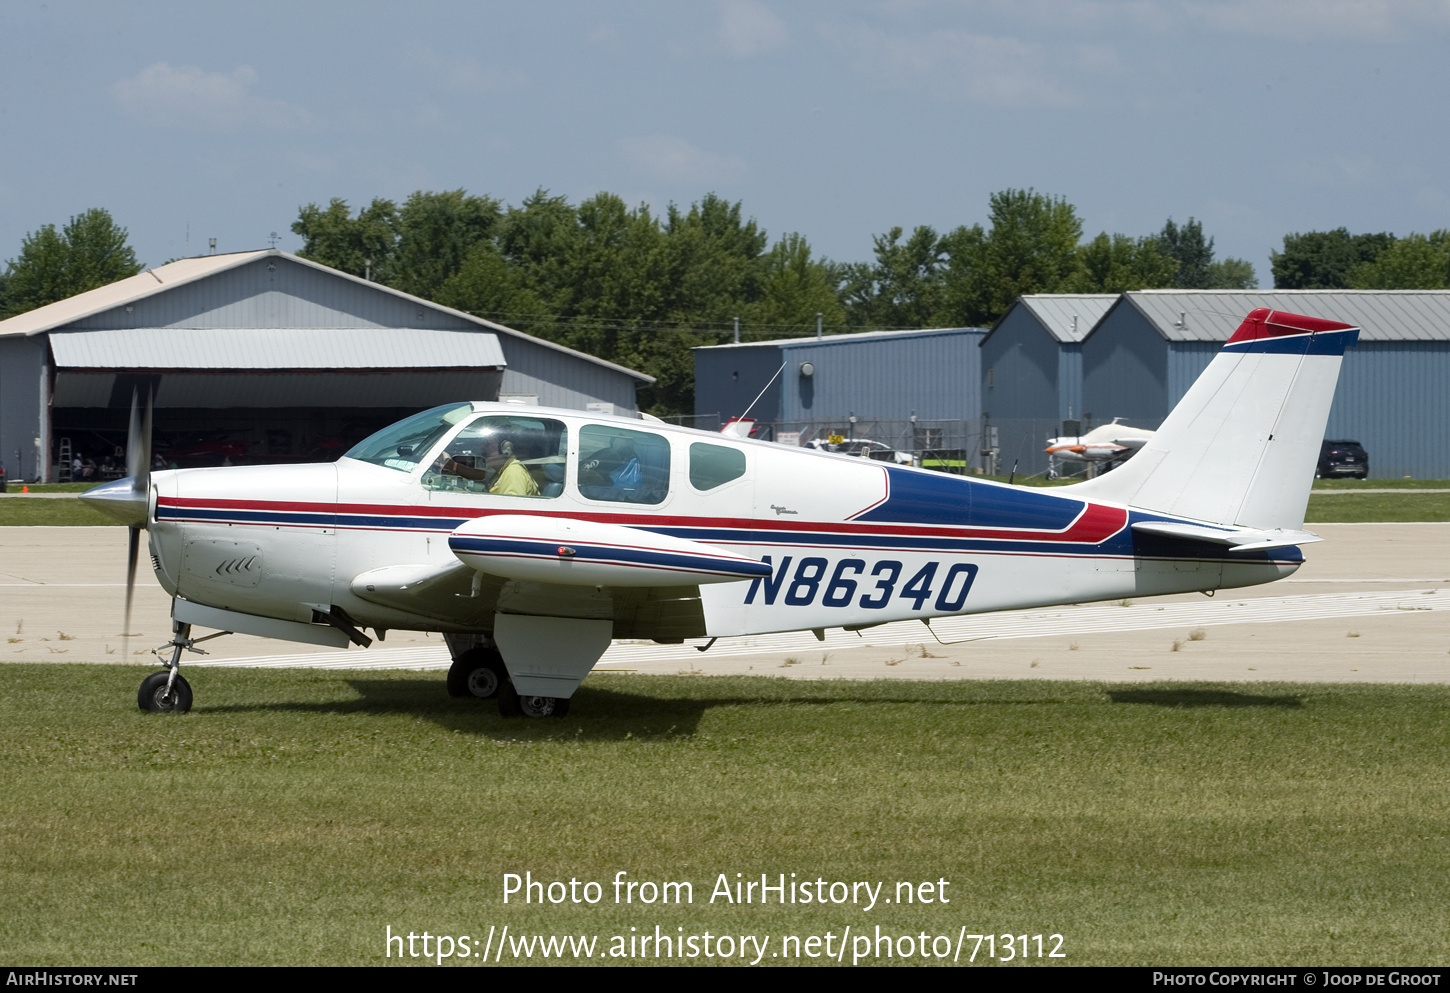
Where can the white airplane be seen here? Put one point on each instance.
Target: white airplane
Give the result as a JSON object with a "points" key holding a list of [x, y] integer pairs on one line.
{"points": [[1106, 443], [532, 537]]}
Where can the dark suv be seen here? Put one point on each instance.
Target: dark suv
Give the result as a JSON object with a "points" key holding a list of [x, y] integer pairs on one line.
{"points": [[1343, 458]]}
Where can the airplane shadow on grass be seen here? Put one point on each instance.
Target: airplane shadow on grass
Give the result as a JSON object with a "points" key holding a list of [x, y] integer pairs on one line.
{"points": [[596, 713], [1188, 697]]}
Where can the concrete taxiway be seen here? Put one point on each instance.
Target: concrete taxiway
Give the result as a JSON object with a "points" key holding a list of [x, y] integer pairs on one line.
{"points": [[1371, 604]]}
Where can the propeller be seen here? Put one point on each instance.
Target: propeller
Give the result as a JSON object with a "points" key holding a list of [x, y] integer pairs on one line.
{"points": [[126, 499], [138, 468]]}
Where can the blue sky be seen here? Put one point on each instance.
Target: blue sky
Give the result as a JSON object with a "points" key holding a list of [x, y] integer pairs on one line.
{"points": [[835, 119]]}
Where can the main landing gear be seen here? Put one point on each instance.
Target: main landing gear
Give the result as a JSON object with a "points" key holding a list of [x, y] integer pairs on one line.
{"points": [[480, 673]]}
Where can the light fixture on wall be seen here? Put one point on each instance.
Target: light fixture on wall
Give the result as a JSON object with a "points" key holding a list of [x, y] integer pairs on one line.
{"points": [[808, 369]]}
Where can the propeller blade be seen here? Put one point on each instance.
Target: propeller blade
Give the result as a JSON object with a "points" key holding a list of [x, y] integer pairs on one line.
{"points": [[138, 467], [138, 443], [133, 551]]}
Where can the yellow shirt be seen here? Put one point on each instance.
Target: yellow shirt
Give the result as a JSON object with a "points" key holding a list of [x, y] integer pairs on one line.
{"points": [[514, 480]]}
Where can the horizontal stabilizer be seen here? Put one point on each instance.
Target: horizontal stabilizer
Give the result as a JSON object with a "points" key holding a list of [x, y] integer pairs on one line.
{"points": [[1239, 539]]}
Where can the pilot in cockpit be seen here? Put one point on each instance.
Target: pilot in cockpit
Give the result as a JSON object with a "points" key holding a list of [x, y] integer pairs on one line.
{"points": [[488, 457]]}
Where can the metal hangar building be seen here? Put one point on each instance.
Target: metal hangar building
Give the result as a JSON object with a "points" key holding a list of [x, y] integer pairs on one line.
{"points": [[890, 386], [1151, 345], [262, 356]]}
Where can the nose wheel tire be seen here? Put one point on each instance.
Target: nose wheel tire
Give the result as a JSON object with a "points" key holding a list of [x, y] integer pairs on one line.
{"points": [[154, 697], [478, 673]]}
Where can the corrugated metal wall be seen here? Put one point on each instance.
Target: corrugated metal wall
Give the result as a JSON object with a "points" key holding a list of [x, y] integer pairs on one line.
{"points": [[1186, 361], [884, 376], [21, 362], [1021, 369], [1393, 399], [1124, 369], [727, 379]]}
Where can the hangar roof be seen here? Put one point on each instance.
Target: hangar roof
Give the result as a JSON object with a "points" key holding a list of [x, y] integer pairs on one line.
{"points": [[1213, 315], [276, 348], [152, 281], [843, 339], [1069, 317]]}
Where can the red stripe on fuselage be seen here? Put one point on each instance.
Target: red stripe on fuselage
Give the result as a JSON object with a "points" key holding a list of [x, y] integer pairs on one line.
{"points": [[1096, 523]]}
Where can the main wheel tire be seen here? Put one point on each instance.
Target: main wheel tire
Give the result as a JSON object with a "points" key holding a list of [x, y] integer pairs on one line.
{"points": [[512, 704], [478, 673], [153, 697]]}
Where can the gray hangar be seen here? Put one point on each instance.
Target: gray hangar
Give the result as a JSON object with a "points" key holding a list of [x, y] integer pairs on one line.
{"points": [[262, 357], [1151, 345], [908, 389]]}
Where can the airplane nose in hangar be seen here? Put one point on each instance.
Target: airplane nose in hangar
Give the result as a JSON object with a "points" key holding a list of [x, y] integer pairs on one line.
{"points": [[119, 500]]}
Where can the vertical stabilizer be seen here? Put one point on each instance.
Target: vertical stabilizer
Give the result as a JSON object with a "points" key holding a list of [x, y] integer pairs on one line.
{"points": [[1240, 447]]}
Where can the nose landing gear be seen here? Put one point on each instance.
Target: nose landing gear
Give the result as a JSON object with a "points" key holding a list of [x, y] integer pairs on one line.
{"points": [[167, 692]]}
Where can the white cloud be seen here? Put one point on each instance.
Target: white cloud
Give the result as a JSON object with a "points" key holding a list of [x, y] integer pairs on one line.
{"points": [[984, 69], [676, 160], [163, 95], [749, 28]]}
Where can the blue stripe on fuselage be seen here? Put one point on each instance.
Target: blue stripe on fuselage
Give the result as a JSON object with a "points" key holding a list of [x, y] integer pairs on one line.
{"points": [[938, 499]]}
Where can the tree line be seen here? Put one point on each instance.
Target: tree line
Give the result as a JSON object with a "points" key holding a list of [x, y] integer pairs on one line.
{"points": [[641, 289]]}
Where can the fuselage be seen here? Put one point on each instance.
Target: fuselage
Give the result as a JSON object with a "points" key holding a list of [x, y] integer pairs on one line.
{"points": [[848, 542]]}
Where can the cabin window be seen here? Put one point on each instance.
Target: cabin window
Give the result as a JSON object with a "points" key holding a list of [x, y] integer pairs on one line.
{"points": [[503, 455], [623, 466], [714, 465]]}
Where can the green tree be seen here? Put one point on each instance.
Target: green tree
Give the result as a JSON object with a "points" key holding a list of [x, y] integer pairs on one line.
{"points": [[794, 288], [1032, 245], [1194, 255], [90, 251], [435, 232], [1414, 262], [1120, 263], [363, 245], [1323, 260], [1197, 269], [1232, 274], [903, 288]]}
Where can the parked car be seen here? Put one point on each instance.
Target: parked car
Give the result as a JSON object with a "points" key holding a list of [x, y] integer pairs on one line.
{"points": [[863, 448], [1342, 458]]}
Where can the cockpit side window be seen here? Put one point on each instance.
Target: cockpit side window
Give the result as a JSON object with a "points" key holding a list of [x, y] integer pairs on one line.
{"points": [[714, 465], [505, 455], [623, 466]]}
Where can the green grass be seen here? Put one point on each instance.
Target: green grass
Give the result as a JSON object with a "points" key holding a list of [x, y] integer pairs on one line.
{"points": [[294, 815], [1382, 484], [1378, 507], [42, 512]]}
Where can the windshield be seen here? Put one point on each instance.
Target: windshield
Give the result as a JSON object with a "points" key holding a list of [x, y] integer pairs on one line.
{"points": [[404, 445]]}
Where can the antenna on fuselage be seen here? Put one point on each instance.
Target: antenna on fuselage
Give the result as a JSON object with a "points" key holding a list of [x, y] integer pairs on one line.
{"points": [[762, 392]]}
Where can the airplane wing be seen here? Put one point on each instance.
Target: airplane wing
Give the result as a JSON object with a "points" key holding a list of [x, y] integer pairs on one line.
{"points": [[457, 596]]}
